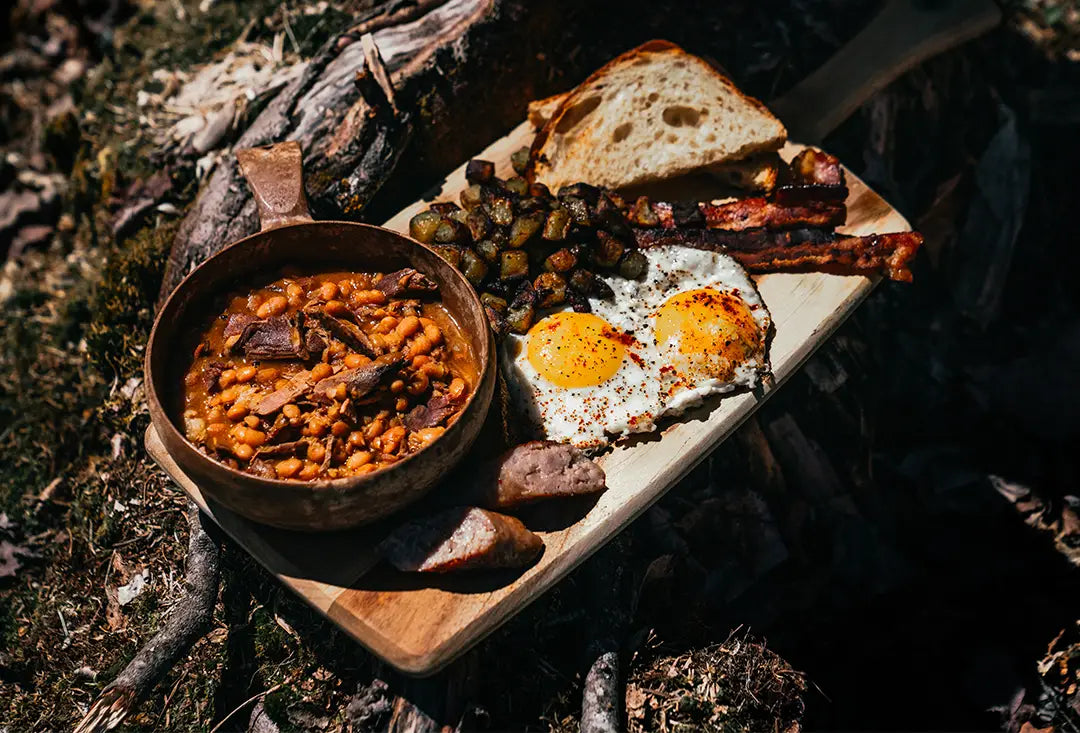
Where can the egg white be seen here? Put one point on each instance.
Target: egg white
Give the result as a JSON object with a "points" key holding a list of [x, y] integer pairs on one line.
{"points": [[642, 390]]}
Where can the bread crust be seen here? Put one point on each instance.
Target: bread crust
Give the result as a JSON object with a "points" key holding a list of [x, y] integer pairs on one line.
{"points": [[543, 136], [542, 110]]}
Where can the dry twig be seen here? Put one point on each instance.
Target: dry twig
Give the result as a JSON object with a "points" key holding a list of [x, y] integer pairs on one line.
{"points": [[600, 700], [185, 625]]}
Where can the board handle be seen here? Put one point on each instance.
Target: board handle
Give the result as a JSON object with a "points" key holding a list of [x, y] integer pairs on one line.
{"points": [[904, 34], [275, 174]]}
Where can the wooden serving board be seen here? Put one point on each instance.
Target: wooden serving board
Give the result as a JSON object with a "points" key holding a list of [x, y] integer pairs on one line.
{"points": [[419, 624]]}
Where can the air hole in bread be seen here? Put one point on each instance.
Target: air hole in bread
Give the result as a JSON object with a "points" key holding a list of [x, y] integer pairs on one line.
{"points": [[710, 138], [677, 116], [653, 97], [622, 132], [576, 113], [659, 134], [672, 138]]}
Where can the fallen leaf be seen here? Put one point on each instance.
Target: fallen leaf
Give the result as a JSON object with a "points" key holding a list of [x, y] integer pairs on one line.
{"points": [[113, 615], [9, 561], [635, 702], [125, 594]]}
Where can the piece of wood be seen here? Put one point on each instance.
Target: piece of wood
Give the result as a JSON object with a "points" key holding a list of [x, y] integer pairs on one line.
{"points": [[351, 137], [189, 619], [903, 35], [601, 706], [419, 624]]}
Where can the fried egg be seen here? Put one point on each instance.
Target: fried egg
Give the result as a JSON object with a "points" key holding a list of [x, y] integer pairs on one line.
{"points": [[693, 326], [580, 377]]}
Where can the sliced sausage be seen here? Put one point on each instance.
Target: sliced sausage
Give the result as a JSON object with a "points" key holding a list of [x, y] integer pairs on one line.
{"points": [[462, 538], [536, 471]]}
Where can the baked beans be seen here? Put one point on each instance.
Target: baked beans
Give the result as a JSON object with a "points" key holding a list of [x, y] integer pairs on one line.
{"points": [[326, 376]]}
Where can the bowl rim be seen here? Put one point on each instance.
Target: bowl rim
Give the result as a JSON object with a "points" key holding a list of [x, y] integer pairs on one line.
{"points": [[486, 359]]}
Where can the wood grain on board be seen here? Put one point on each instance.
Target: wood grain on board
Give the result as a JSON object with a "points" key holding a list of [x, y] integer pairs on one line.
{"points": [[418, 623]]}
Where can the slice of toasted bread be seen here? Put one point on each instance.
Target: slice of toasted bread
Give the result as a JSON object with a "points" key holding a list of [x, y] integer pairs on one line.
{"points": [[759, 173], [652, 113]]}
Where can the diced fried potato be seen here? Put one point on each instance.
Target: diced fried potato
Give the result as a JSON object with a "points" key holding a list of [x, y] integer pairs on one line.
{"points": [[422, 226], [513, 263]]}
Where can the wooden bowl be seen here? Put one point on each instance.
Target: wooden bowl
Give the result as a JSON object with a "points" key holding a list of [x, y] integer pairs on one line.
{"points": [[289, 237]]}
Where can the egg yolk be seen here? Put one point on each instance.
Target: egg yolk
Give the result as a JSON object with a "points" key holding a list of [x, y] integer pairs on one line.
{"points": [[575, 349], [715, 330]]}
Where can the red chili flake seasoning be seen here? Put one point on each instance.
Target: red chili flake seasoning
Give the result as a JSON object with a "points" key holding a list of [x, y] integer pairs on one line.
{"points": [[626, 339]]}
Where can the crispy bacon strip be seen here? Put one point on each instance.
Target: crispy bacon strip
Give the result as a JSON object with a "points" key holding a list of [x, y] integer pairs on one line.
{"points": [[799, 251], [888, 254], [791, 207], [754, 213], [801, 194], [811, 193], [719, 240]]}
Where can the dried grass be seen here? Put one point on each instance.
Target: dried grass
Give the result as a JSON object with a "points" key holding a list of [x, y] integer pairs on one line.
{"points": [[738, 685]]}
